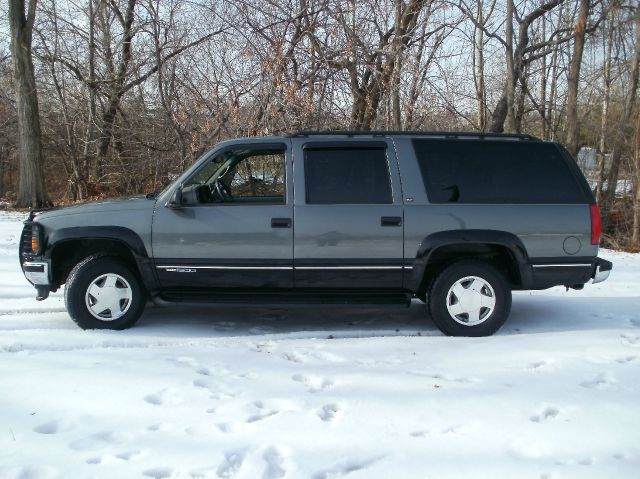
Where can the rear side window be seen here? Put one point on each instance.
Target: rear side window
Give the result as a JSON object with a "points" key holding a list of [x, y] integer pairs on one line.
{"points": [[485, 171], [346, 176]]}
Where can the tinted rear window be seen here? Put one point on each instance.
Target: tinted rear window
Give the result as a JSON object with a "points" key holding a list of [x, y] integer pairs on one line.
{"points": [[346, 176], [485, 171]]}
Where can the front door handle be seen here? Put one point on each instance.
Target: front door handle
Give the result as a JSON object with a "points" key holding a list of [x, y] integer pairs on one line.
{"points": [[391, 221], [281, 222]]}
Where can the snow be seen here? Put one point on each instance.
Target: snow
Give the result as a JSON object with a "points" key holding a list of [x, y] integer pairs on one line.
{"points": [[257, 393]]}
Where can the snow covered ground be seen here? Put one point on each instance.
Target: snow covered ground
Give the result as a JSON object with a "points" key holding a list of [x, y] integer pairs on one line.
{"points": [[254, 393]]}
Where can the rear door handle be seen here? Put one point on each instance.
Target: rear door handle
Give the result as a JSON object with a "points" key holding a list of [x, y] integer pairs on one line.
{"points": [[281, 222], [391, 221]]}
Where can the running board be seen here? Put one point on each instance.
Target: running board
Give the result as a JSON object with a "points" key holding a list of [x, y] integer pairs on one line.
{"points": [[288, 298]]}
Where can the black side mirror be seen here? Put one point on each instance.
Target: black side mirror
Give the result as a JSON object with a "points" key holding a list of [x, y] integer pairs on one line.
{"points": [[176, 199]]}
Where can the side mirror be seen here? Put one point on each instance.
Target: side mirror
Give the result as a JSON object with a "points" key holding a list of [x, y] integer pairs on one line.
{"points": [[175, 202]]}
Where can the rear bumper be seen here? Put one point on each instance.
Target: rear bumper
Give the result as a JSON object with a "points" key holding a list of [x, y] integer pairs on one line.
{"points": [[545, 273], [602, 270]]}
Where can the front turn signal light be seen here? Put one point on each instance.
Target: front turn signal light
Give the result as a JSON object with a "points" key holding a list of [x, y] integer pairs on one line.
{"points": [[35, 245]]}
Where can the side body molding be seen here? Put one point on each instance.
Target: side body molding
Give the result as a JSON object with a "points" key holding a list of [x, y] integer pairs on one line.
{"points": [[469, 237]]}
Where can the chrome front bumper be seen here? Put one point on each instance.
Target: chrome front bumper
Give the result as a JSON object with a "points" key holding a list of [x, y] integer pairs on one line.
{"points": [[36, 272]]}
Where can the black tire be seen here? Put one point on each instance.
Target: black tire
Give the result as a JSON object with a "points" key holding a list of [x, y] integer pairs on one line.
{"points": [[82, 277], [489, 321]]}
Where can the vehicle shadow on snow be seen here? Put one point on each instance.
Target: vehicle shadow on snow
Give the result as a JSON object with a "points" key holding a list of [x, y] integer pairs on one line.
{"points": [[529, 314], [296, 321]]}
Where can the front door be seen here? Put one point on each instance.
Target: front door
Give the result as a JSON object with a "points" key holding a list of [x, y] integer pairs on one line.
{"points": [[235, 226], [348, 215]]}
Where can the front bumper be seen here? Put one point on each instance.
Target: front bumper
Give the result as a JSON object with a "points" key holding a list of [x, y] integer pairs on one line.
{"points": [[36, 272]]}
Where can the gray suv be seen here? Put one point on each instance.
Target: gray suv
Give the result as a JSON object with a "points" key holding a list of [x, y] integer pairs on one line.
{"points": [[458, 220]]}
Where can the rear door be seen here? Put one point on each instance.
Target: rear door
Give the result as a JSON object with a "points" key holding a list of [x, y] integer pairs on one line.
{"points": [[348, 214]]}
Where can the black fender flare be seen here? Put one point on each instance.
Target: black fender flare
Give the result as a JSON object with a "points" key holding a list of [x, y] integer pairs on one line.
{"points": [[125, 236], [117, 233], [434, 241]]}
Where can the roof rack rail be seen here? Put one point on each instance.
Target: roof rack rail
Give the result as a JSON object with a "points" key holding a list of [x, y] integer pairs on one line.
{"points": [[447, 134]]}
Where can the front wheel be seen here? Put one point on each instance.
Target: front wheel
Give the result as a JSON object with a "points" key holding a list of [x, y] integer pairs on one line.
{"points": [[469, 298], [103, 293]]}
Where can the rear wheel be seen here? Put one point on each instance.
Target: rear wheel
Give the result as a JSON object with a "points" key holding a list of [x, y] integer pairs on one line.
{"points": [[469, 298], [103, 293]]}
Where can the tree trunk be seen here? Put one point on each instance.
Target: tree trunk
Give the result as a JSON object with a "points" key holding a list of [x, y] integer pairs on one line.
{"points": [[89, 150], [600, 168], [543, 86], [510, 89], [31, 189], [616, 153], [478, 69], [574, 78], [635, 235]]}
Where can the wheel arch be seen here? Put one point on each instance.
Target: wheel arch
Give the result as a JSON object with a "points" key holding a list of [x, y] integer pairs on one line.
{"points": [[502, 249], [66, 247]]}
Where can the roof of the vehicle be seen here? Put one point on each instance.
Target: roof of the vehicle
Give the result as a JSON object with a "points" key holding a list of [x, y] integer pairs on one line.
{"points": [[435, 134]]}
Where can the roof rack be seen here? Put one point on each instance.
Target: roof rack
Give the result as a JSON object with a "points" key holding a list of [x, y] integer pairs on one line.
{"points": [[446, 134]]}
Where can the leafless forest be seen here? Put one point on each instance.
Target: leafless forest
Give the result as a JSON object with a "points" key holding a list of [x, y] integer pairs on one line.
{"points": [[113, 97]]}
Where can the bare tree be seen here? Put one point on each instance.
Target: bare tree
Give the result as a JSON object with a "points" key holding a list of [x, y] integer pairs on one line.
{"points": [[31, 189], [574, 78], [619, 135]]}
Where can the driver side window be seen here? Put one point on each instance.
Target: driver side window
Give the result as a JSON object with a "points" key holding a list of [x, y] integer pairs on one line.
{"points": [[241, 175], [259, 177]]}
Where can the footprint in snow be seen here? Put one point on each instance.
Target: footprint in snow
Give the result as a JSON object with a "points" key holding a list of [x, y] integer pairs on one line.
{"points": [[346, 467], [295, 357], [232, 463], [32, 472], [232, 427], [542, 364], [159, 427], [168, 396], [315, 383], [158, 472], [635, 323], [53, 427], [547, 413], [600, 381], [303, 356], [275, 459], [626, 359], [330, 412], [459, 429], [261, 416], [630, 339], [127, 455]]}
